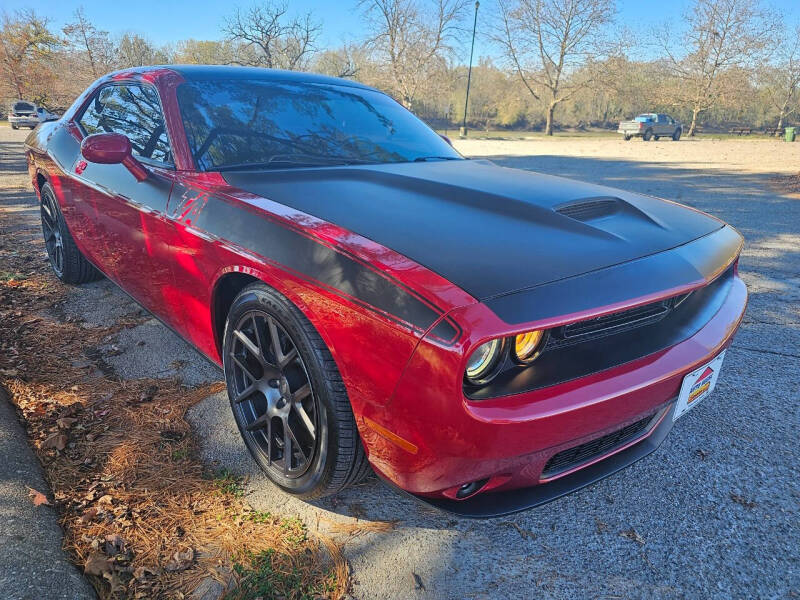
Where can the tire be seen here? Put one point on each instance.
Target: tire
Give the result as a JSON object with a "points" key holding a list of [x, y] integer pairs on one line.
{"points": [[628, 138], [648, 135], [295, 387], [67, 262], [655, 137], [677, 135], [14, 127]]}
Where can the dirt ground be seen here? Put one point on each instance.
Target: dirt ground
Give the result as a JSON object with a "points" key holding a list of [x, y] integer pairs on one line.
{"points": [[712, 514]]}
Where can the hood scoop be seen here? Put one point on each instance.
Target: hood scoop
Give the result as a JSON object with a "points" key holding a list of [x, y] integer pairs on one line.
{"points": [[590, 208]]}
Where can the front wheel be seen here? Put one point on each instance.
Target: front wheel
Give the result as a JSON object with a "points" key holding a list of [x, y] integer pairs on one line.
{"points": [[67, 262], [14, 127], [288, 398], [677, 135]]}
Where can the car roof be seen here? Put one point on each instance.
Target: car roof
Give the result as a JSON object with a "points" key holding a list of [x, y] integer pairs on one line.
{"points": [[229, 72]]}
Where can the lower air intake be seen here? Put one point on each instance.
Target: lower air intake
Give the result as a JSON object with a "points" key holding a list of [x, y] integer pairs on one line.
{"points": [[577, 455]]}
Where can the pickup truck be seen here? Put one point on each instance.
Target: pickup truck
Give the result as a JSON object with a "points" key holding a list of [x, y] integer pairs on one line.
{"points": [[650, 126]]}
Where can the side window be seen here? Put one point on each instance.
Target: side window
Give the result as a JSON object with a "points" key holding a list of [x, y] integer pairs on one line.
{"points": [[134, 111]]}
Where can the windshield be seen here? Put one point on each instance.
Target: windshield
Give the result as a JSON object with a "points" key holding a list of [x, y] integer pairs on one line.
{"points": [[646, 117], [240, 124]]}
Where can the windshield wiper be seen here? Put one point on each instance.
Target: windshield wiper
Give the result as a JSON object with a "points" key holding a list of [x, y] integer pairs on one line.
{"points": [[298, 160], [427, 158]]}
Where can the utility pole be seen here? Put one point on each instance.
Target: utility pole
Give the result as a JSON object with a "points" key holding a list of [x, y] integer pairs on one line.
{"points": [[463, 132]]}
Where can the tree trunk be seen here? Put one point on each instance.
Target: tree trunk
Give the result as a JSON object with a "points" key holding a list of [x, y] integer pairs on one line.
{"points": [[693, 126], [548, 126], [780, 123]]}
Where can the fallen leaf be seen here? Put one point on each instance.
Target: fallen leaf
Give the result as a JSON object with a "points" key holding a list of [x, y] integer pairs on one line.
{"points": [[66, 422], [38, 498], [114, 544], [148, 394], [181, 561], [105, 499], [142, 573], [97, 564], [600, 525], [57, 441], [632, 534]]}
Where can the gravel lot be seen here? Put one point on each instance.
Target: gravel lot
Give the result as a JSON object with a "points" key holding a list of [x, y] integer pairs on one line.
{"points": [[712, 514]]}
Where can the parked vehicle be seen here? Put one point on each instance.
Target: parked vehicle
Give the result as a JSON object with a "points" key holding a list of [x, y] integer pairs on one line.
{"points": [[485, 338], [651, 126], [27, 114]]}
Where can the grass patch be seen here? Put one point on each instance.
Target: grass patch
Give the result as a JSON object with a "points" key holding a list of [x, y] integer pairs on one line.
{"points": [[228, 483], [267, 575]]}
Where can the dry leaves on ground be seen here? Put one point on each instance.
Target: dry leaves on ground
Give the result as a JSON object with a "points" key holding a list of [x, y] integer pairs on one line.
{"points": [[142, 516]]}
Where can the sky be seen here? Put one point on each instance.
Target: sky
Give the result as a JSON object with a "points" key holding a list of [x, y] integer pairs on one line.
{"points": [[165, 21]]}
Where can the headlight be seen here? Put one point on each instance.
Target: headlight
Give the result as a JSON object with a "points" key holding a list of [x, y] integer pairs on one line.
{"points": [[481, 365], [527, 346]]}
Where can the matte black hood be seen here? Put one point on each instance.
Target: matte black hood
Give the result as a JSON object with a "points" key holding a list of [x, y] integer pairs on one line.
{"points": [[488, 229]]}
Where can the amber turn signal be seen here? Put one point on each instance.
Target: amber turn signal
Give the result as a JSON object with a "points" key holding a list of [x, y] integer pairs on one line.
{"points": [[528, 345]]}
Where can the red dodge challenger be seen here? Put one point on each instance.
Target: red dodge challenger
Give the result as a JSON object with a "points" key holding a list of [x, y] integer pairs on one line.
{"points": [[486, 339]]}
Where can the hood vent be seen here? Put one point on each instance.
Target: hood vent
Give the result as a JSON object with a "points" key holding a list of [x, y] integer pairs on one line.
{"points": [[590, 209]]}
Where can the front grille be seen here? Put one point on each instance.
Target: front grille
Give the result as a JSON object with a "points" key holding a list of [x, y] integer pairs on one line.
{"points": [[572, 457], [589, 209], [590, 329]]}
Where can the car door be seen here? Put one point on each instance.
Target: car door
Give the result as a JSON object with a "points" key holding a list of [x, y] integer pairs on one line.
{"points": [[130, 214]]}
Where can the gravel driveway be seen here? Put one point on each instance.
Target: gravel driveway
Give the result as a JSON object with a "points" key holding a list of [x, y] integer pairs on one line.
{"points": [[712, 514]]}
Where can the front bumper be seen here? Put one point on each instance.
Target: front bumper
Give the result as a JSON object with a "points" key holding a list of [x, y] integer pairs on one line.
{"points": [[509, 440]]}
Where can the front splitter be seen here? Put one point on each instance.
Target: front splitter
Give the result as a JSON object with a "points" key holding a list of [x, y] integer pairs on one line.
{"points": [[498, 504]]}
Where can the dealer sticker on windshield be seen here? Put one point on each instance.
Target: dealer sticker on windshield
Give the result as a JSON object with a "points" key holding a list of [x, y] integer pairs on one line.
{"points": [[697, 385]]}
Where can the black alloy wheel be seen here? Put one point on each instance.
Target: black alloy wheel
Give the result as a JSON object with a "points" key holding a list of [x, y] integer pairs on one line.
{"points": [[53, 241], [288, 398], [67, 262], [273, 394]]}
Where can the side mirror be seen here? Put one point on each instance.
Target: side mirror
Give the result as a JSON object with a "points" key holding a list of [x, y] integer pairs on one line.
{"points": [[112, 149]]}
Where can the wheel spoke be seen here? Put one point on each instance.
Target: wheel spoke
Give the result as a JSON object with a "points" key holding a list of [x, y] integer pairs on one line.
{"points": [[287, 358], [287, 448], [258, 336], [301, 394], [296, 441], [301, 412], [259, 423], [251, 347], [245, 393], [244, 369]]}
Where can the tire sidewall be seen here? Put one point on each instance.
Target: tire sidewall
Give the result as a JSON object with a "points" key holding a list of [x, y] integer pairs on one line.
{"points": [[319, 472]]}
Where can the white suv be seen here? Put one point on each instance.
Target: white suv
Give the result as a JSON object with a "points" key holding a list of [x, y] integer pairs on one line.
{"points": [[27, 114]]}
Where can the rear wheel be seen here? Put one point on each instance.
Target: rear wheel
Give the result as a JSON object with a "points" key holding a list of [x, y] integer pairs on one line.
{"points": [[288, 398], [677, 135], [67, 262], [628, 138], [14, 126], [648, 135]]}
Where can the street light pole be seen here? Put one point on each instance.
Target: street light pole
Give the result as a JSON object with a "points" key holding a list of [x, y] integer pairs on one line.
{"points": [[463, 132]]}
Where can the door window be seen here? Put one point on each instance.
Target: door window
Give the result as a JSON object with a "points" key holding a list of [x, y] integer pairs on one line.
{"points": [[134, 111]]}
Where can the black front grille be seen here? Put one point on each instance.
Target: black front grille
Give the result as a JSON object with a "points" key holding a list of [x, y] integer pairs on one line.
{"points": [[572, 457], [589, 209], [617, 322]]}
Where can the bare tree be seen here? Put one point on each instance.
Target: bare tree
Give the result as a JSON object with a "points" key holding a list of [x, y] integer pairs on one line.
{"points": [[782, 79], [547, 41], [135, 51], [346, 61], [93, 45], [720, 35], [411, 41], [24, 41], [275, 41]]}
